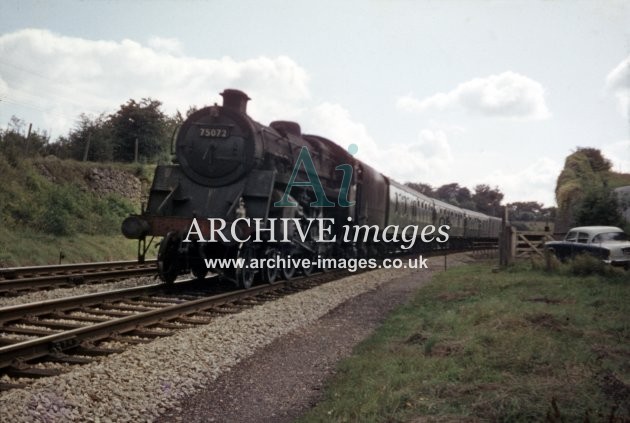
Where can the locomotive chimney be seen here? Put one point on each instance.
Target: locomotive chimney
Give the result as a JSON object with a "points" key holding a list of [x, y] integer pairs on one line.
{"points": [[235, 100]]}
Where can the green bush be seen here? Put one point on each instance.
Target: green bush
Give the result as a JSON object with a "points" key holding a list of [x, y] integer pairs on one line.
{"points": [[61, 209], [586, 265], [581, 265], [60, 205]]}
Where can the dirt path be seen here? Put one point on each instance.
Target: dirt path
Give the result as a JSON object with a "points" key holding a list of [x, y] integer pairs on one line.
{"points": [[283, 380]]}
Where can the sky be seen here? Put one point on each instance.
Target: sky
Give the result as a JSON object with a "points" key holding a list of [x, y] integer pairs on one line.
{"points": [[433, 91]]}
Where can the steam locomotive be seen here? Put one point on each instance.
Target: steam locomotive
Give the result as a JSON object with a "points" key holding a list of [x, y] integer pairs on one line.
{"points": [[233, 170]]}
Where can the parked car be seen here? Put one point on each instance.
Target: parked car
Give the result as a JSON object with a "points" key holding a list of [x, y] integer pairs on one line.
{"points": [[608, 243]]}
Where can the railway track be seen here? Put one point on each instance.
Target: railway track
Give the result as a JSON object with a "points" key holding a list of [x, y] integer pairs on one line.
{"points": [[19, 279], [72, 330]]}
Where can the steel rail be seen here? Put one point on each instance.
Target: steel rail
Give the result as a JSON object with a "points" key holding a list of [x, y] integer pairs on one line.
{"points": [[17, 312], [14, 354], [12, 285], [17, 272], [17, 354]]}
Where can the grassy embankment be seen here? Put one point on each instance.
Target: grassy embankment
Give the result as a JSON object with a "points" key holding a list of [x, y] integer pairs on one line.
{"points": [[47, 207], [473, 345]]}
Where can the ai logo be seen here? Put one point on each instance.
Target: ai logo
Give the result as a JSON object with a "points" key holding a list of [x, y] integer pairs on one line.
{"points": [[304, 159]]}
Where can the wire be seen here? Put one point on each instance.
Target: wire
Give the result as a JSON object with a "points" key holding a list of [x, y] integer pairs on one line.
{"points": [[10, 100], [20, 68], [54, 95]]}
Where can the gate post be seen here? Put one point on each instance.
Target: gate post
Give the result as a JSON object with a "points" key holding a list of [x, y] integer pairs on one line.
{"points": [[506, 241]]}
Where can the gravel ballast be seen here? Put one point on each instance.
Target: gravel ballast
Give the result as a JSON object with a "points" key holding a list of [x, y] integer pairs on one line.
{"points": [[148, 379], [53, 294]]}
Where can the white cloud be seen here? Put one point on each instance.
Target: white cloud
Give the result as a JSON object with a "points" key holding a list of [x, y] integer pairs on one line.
{"points": [[507, 95], [619, 154], [431, 159], [618, 81], [536, 182], [166, 45], [427, 158], [65, 76], [432, 155], [341, 128]]}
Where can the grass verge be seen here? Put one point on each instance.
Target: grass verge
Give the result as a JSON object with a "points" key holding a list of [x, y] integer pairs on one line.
{"points": [[50, 206], [28, 248], [517, 345]]}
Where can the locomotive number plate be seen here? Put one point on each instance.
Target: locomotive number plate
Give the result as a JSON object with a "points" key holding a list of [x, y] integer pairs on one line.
{"points": [[214, 131]]}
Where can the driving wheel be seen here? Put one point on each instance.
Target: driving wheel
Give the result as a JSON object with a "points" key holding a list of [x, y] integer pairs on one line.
{"points": [[245, 274], [168, 258]]}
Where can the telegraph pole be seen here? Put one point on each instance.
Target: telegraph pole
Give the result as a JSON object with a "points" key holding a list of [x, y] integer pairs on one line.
{"points": [[28, 135], [87, 146]]}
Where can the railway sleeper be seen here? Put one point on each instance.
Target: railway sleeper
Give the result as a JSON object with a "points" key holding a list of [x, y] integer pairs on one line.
{"points": [[68, 358], [51, 324], [127, 307], [152, 304], [92, 350], [8, 274], [110, 313], [128, 339], [248, 302], [169, 325], [191, 321], [90, 319], [8, 293], [184, 298], [269, 296], [165, 300], [76, 279], [8, 341], [28, 331], [4, 386], [205, 313], [226, 310], [148, 333], [31, 372]]}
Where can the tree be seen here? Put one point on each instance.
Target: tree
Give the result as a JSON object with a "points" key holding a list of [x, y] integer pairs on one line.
{"points": [[425, 189], [487, 200], [585, 171], [595, 158], [454, 194], [96, 132], [448, 193], [17, 141], [598, 207], [142, 123], [525, 210]]}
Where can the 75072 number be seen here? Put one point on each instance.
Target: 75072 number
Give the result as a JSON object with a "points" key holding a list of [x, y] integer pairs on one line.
{"points": [[214, 132]]}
